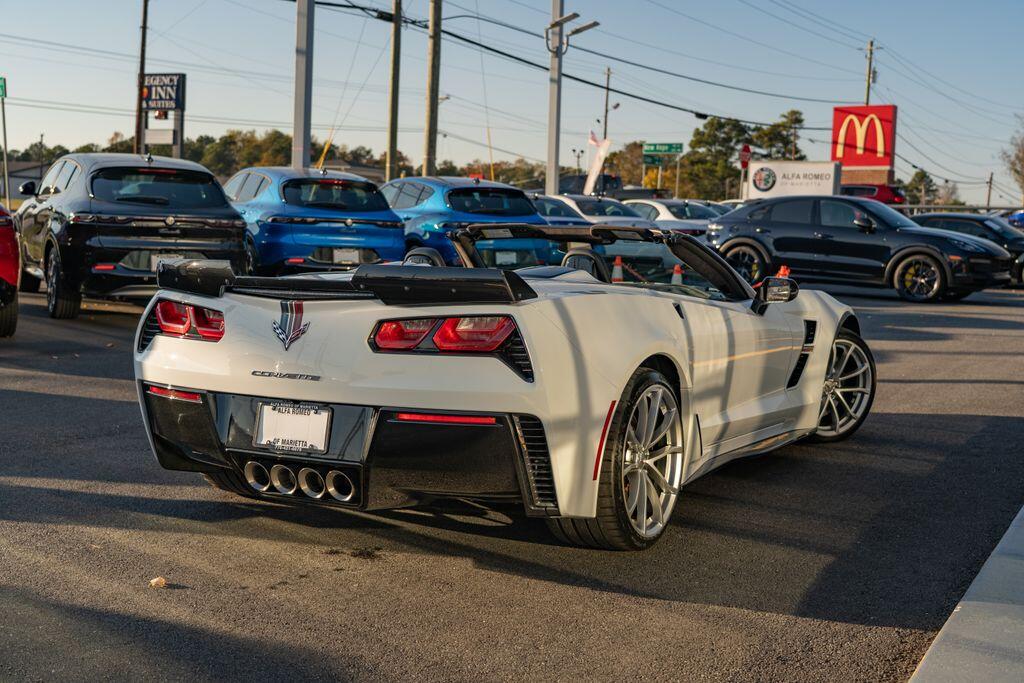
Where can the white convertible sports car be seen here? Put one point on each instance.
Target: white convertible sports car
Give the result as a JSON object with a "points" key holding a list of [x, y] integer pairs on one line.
{"points": [[590, 392]]}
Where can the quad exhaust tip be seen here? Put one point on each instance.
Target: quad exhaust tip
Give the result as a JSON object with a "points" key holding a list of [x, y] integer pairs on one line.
{"points": [[257, 476], [311, 483], [340, 486], [283, 479]]}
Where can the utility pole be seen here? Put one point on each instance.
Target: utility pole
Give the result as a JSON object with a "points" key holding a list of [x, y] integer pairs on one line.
{"points": [[137, 145], [3, 123], [433, 86], [988, 197], [607, 90], [871, 62], [301, 123], [391, 160]]}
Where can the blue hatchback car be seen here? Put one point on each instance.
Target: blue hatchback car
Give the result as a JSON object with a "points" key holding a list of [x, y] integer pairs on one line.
{"points": [[311, 219], [432, 206]]}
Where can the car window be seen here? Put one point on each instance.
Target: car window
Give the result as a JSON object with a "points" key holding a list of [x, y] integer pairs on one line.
{"points": [[553, 208], [232, 186], [605, 207], [491, 201], [689, 210], [71, 177], [248, 189], [426, 192], [968, 228], [646, 263], [63, 177], [173, 187], [761, 213], [1003, 228], [343, 194], [858, 191], [50, 178], [264, 183], [796, 211], [645, 210], [390, 191], [836, 214], [406, 195]]}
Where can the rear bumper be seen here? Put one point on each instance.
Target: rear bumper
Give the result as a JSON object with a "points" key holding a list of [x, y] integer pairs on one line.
{"points": [[315, 247], [392, 462]]}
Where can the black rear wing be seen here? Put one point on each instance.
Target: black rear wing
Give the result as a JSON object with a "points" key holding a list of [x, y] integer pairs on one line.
{"points": [[393, 285]]}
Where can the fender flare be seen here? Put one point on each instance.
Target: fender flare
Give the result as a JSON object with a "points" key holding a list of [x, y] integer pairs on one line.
{"points": [[849, 321], [925, 249]]}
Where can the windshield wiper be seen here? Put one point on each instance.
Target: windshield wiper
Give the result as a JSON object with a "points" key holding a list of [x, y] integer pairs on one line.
{"points": [[143, 199]]}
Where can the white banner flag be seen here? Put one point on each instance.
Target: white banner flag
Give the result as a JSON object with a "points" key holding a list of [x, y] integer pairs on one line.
{"points": [[597, 162]]}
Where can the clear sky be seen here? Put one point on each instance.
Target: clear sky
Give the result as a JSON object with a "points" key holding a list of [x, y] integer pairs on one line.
{"points": [[954, 69]]}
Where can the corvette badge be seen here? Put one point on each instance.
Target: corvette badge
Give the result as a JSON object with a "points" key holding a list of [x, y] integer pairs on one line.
{"points": [[291, 326]]}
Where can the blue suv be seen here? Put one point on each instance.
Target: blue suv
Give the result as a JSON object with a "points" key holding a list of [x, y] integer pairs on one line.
{"points": [[432, 206], [312, 219]]}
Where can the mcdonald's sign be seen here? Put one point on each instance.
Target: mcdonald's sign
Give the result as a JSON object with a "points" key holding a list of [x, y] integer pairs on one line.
{"points": [[864, 137]]}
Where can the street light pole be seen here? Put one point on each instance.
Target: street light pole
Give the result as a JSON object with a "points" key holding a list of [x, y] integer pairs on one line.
{"points": [[137, 144], [391, 161], [557, 44], [301, 123]]}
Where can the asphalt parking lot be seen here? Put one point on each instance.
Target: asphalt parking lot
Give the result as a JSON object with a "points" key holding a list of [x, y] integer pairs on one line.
{"points": [[816, 562]]}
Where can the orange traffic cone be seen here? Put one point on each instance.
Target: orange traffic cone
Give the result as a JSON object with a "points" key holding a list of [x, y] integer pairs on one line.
{"points": [[617, 270], [783, 271], [677, 274]]}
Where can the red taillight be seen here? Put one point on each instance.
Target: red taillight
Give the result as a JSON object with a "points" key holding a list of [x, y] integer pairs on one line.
{"points": [[185, 320], [446, 418], [209, 323], [480, 334], [175, 394], [296, 259], [402, 335], [104, 266], [173, 317]]}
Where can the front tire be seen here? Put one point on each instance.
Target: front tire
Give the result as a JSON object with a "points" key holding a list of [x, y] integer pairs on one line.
{"points": [[9, 317], [62, 300], [641, 470], [849, 388], [920, 279]]}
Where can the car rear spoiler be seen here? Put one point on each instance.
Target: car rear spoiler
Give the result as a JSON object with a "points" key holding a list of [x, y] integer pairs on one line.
{"points": [[391, 284]]}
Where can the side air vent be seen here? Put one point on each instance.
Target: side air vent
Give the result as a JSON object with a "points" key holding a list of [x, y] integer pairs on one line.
{"points": [[514, 353], [537, 465], [149, 330], [798, 370], [810, 329]]}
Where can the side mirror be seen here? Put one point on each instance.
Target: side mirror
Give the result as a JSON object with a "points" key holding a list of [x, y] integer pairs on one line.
{"points": [[774, 290], [864, 224], [28, 188]]}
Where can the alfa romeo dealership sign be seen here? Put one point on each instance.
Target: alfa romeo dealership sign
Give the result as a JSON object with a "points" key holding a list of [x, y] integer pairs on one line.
{"points": [[778, 178]]}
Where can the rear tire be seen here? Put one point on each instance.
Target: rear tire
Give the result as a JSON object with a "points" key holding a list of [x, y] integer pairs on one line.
{"points": [[748, 261], [629, 466], [9, 317], [62, 301], [29, 283], [919, 278]]}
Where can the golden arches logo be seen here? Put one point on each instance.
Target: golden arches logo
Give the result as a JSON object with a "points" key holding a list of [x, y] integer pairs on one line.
{"points": [[860, 130]]}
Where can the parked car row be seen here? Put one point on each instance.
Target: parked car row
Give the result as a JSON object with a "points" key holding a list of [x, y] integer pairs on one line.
{"points": [[100, 224]]}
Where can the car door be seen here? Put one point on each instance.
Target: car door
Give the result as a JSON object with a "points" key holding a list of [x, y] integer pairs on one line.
{"points": [[35, 228], [848, 251], [790, 230]]}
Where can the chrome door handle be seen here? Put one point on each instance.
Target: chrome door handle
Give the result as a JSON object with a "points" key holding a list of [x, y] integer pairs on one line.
{"points": [[762, 230], [821, 235]]}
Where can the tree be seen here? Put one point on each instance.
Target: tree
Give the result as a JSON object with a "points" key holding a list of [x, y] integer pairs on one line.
{"points": [[780, 140], [627, 162], [949, 195], [921, 188], [1014, 157], [709, 170], [119, 143]]}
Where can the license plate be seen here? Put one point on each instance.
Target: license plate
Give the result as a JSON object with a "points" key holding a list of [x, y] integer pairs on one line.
{"points": [[294, 427], [155, 259], [346, 256], [505, 258]]}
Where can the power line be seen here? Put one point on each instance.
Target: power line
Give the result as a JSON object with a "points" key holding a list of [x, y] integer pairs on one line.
{"points": [[789, 22]]}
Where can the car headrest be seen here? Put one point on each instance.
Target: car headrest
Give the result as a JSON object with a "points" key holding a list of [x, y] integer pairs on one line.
{"points": [[584, 258]]}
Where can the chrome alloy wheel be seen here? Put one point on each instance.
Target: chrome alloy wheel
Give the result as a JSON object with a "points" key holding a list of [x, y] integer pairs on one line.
{"points": [[920, 278], [846, 393], [652, 460]]}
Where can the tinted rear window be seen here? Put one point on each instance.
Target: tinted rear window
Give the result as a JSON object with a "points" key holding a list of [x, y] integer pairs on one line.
{"points": [[603, 207], [684, 211], [174, 188], [793, 212], [553, 207], [491, 201], [334, 193]]}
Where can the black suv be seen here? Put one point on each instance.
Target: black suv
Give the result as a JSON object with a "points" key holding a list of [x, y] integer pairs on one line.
{"points": [[98, 225], [992, 228], [856, 241]]}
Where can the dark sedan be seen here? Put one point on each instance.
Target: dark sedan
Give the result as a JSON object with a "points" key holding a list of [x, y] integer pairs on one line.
{"points": [[992, 228], [99, 224], [856, 241]]}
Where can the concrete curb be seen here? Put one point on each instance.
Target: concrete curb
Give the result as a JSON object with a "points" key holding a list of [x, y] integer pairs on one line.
{"points": [[983, 639]]}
